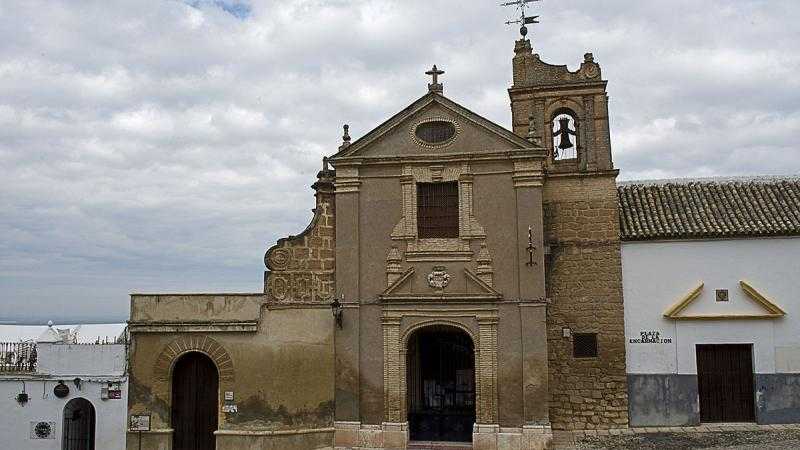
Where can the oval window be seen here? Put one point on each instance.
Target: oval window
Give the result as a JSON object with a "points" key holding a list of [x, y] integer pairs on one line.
{"points": [[435, 132]]}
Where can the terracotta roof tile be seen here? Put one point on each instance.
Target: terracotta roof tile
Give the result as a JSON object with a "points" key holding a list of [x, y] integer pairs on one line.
{"points": [[709, 208]]}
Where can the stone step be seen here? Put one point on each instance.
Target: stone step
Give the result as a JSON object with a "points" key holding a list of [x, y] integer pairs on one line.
{"points": [[426, 445]]}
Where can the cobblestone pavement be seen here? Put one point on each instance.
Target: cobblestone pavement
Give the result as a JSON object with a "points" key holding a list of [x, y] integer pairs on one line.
{"points": [[728, 436]]}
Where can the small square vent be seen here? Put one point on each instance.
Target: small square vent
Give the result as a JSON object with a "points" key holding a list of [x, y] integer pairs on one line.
{"points": [[584, 345]]}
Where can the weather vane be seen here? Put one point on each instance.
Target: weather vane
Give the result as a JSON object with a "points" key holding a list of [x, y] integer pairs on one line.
{"points": [[523, 20]]}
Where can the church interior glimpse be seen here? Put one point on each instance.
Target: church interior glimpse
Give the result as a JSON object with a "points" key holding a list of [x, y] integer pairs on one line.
{"points": [[441, 385]]}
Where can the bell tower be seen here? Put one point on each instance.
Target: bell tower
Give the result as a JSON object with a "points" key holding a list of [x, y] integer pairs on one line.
{"points": [[568, 111]]}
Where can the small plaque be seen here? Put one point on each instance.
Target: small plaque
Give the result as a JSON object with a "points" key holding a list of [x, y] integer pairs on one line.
{"points": [[230, 409], [228, 395], [140, 422], [722, 295]]}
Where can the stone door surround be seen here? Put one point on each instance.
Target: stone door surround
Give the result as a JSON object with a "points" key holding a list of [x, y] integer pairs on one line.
{"points": [[399, 323]]}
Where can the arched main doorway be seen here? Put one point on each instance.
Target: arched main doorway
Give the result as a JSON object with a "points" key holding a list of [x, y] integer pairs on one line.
{"points": [[79, 425], [195, 395], [440, 369]]}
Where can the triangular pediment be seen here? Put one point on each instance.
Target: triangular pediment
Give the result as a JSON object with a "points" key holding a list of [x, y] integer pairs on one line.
{"points": [[760, 307], [397, 137]]}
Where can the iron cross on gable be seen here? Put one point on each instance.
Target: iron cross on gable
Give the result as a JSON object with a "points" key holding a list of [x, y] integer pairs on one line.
{"points": [[435, 86]]}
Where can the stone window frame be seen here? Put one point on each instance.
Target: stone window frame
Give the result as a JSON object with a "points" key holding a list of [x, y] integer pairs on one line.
{"points": [[412, 131], [437, 249], [480, 326]]}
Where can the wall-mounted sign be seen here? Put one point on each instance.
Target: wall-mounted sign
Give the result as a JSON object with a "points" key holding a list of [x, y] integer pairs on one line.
{"points": [[230, 409], [650, 337], [228, 396], [140, 422]]}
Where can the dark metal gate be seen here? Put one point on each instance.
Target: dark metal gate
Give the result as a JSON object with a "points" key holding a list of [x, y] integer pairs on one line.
{"points": [[441, 385], [79, 425], [725, 383], [195, 386]]}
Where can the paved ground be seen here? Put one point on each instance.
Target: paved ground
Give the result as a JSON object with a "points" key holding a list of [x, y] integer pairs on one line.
{"points": [[728, 436]]}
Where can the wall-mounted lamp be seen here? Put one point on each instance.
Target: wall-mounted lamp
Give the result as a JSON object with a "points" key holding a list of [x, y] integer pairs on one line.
{"points": [[336, 309]]}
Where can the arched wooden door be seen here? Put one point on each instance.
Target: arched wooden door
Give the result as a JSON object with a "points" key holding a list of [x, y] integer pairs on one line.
{"points": [[79, 425], [195, 387]]}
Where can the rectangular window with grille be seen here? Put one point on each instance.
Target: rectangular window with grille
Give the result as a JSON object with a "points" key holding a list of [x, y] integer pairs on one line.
{"points": [[437, 210], [584, 345]]}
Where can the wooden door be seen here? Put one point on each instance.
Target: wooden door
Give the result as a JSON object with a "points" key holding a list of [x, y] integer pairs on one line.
{"points": [[195, 387], [725, 383]]}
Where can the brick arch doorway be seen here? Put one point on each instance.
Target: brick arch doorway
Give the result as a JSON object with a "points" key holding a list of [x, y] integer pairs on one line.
{"points": [[195, 399], [440, 384]]}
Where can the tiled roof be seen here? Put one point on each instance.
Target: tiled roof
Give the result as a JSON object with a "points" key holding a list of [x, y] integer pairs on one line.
{"points": [[709, 208]]}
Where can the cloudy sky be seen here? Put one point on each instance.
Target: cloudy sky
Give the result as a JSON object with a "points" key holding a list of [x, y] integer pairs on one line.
{"points": [[162, 146]]}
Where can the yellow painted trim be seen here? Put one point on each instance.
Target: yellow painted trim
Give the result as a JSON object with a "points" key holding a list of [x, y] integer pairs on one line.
{"points": [[727, 317], [673, 311], [773, 310], [759, 298]]}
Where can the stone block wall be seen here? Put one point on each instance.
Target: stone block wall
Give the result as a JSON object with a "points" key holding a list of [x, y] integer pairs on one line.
{"points": [[301, 268], [584, 285]]}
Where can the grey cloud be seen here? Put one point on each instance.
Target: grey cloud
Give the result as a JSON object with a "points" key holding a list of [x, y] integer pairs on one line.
{"points": [[164, 145]]}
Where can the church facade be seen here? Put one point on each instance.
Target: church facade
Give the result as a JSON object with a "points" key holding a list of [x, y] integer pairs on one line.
{"points": [[458, 282]]}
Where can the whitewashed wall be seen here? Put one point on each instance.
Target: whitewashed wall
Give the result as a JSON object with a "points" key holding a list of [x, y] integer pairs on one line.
{"points": [[81, 359], [657, 274], [96, 365]]}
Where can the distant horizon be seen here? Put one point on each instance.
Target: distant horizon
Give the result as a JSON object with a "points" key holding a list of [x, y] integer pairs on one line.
{"points": [[64, 323]]}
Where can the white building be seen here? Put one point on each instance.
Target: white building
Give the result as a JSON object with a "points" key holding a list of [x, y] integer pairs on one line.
{"points": [[711, 279], [65, 389]]}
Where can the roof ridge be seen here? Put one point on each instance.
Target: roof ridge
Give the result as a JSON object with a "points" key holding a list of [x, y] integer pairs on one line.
{"points": [[710, 180]]}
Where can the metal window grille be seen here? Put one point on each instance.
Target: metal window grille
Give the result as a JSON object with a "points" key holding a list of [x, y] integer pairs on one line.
{"points": [[17, 357], [584, 345], [437, 210]]}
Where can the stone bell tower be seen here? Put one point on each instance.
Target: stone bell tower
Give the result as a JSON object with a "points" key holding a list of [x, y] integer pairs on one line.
{"points": [[548, 94], [568, 113]]}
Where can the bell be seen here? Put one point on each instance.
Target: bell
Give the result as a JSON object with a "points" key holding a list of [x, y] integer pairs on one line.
{"points": [[563, 133]]}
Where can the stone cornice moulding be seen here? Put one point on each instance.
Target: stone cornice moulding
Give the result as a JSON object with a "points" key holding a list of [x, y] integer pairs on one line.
{"points": [[495, 155], [193, 327], [773, 311]]}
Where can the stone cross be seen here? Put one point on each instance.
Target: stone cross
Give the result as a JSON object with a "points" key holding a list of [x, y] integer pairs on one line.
{"points": [[435, 86]]}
